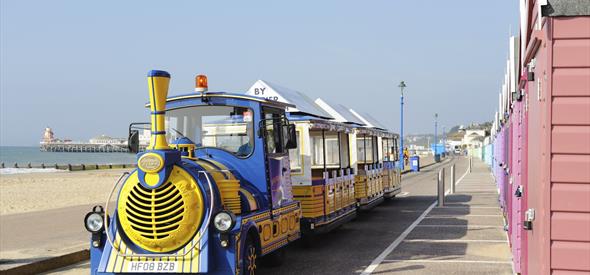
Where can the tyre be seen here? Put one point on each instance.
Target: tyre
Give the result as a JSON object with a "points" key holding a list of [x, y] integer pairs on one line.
{"points": [[250, 260]]}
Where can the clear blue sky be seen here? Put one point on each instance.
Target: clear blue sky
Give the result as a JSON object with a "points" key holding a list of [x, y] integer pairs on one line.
{"points": [[79, 66]]}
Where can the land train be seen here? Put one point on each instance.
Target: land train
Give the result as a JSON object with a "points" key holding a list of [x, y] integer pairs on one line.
{"points": [[230, 179]]}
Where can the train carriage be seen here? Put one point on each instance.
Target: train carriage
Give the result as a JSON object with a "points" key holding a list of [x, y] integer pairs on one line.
{"points": [[378, 177], [326, 164], [322, 172], [322, 175], [387, 148], [389, 155]]}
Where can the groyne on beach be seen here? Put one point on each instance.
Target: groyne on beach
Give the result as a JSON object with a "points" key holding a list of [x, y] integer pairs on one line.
{"points": [[69, 167]]}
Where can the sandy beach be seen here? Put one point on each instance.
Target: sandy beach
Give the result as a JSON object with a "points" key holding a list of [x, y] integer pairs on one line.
{"points": [[20, 193]]}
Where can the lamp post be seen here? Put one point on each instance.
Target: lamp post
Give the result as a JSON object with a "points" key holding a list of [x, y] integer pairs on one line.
{"points": [[444, 139], [435, 139], [401, 85]]}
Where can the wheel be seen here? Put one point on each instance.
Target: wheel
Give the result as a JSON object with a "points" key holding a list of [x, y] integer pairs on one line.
{"points": [[275, 258], [250, 261]]}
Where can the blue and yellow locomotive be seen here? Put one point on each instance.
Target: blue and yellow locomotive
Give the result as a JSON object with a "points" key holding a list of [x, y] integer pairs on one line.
{"points": [[211, 193]]}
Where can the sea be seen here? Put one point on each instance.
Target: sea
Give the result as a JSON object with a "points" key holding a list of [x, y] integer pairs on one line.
{"points": [[9, 155]]}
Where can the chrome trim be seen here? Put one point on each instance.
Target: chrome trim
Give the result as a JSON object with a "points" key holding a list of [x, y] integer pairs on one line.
{"points": [[201, 232]]}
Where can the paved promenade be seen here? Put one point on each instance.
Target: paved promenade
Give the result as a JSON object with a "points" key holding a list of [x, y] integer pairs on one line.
{"points": [[465, 236], [406, 235]]}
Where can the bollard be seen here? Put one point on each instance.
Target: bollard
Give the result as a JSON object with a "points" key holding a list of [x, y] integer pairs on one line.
{"points": [[441, 187], [470, 160], [453, 179]]}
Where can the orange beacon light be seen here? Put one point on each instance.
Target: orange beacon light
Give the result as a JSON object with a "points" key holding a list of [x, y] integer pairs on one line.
{"points": [[201, 83]]}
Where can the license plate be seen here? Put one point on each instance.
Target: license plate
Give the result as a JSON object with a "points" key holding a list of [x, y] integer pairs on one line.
{"points": [[149, 266]]}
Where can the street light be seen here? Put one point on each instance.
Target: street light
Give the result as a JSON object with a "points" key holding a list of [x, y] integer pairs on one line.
{"points": [[435, 139], [444, 139], [401, 85]]}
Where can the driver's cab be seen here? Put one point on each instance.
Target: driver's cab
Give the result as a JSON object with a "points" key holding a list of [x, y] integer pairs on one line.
{"points": [[246, 135]]}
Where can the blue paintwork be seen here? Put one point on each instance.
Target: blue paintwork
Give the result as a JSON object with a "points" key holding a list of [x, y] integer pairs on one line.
{"points": [[296, 117], [211, 249], [249, 171], [435, 128], [170, 157], [401, 132], [158, 73], [438, 148], [183, 141]]}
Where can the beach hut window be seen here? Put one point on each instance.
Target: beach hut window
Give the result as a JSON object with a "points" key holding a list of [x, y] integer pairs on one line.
{"points": [[295, 156]]}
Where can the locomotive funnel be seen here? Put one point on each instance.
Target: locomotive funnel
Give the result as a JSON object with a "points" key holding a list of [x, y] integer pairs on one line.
{"points": [[158, 82]]}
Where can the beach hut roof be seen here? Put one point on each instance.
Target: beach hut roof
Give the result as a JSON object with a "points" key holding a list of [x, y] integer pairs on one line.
{"points": [[303, 104]]}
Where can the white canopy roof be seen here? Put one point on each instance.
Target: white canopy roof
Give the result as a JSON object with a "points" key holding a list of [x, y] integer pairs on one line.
{"points": [[374, 121], [304, 104], [339, 112], [368, 120]]}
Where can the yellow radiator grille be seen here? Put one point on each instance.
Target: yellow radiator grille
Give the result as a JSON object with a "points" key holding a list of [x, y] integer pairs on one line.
{"points": [[155, 213], [161, 219]]}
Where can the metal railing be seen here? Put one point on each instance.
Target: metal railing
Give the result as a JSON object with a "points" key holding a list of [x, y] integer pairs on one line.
{"points": [[441, 187], [440, 181]]}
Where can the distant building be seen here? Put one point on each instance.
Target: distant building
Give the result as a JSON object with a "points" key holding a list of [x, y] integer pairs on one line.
{"points": [[104, 139], [102, 143], [474, 138], [48, 136], [144, 137], [451, 143]]}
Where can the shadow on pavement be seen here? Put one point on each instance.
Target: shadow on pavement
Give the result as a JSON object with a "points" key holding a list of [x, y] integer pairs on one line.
{"points": [[354, 245]]}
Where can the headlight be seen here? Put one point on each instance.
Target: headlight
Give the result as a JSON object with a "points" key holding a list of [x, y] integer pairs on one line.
{"points": [[224, 221], [94, 222]]}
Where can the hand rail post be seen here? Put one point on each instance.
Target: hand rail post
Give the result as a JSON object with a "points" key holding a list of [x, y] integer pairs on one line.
{"points": [[441, 187], [453, 182]]}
